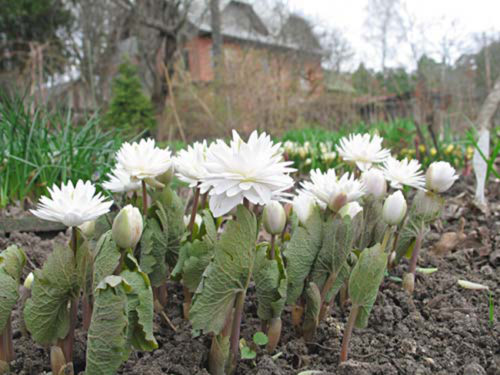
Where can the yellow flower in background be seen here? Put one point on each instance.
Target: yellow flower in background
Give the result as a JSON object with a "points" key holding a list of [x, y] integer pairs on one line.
{"points": [[421, 148], [449, 149], [433, 151], [302, 151]]}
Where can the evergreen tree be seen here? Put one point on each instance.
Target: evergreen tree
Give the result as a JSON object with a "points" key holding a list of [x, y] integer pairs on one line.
{"points": [[130, 109]]}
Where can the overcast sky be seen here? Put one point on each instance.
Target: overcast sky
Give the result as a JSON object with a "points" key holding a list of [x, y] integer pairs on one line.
{"points": [[457, 19]]}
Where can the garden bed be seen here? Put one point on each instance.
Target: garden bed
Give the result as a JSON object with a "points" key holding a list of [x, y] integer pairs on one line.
{"points": [[442, 329]]}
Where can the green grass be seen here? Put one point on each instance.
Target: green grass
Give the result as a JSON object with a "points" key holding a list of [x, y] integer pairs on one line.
{"points": [[38, 149]]}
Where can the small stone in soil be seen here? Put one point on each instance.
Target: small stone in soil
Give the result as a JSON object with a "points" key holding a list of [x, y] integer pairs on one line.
{"points": [[474, 369]]}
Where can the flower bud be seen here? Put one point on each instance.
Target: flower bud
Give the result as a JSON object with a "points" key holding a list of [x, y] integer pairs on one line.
{"points": [[88, 228], [394, 209], [409, 282], [374, 182], [350, 209], [166, 177], [274, 217], [428, 204], [198, 220], [29, 280], [303, 206], [440, 176], [337, 202], [127, 227]]}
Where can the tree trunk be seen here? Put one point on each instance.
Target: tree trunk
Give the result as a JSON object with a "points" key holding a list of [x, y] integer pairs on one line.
{"points": [[216, 36]]}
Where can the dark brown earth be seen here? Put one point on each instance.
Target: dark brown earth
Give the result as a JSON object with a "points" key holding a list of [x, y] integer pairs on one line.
{"points": [[443, 329]]}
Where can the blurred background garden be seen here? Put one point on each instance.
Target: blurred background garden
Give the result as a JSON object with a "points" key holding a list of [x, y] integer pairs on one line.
{"points": [[78, 77]]}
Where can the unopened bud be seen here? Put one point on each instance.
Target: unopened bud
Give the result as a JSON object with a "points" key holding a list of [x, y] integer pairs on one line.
{"points": [[351, 209], [29, 280], [374, 182], [409, 282], [337, 202], [394, 209], [303, 206], [88, 228], [274, 217], [127, 227], [428, 204], [166, 177], [153, 182], [440, 176]]}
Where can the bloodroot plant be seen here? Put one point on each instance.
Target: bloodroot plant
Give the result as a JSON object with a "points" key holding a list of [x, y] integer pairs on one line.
{"points": [[12, 261]]}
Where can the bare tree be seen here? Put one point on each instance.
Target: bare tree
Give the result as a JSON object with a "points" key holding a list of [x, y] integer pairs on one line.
{"points": [[382, 25], [158, 27], [338, 48], [216, 33]]}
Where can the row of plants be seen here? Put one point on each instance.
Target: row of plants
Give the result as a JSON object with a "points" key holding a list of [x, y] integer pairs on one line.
{"points": [[338, 235], [313, 148]]}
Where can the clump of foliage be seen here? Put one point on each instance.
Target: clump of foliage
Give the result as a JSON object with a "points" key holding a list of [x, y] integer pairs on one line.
{"points": [[130, 110], [42, 148]]}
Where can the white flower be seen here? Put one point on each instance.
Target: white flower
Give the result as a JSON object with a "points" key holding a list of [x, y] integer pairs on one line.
{"points": [[87, 228], [190, 163], [350, 209], [394, 209], [303, 206], [374, 182], [404, 172], [127, 227], [198, 220], [332, 192], [274, 217], [143, 160], [72, 205], [29, 280], [440, 176], [119, 182], [363, 149], [254, 170]]}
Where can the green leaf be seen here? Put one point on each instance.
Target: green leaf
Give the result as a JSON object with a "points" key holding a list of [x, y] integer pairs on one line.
{"points": [[171, 215], [300, 253], [107, 258], [199, 255], [210, 227], [312, 311], [46, 313], [154, 247], [247, 353], [338, 241], [8, 296], [140, 306], [260, 338], [12, 260], [270, 284], [373, 226], [107, 346], [365, 280], [228, 273]]}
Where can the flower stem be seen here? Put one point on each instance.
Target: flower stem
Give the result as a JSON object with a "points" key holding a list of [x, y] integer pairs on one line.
{"points": [[271, 252], [144, 199], [193, 211], [74, 241], [414, 255], [6, 345], [235, 330], [204, 200], [348, 333]]}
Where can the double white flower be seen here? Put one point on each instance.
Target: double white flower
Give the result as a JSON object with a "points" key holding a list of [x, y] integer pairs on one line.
{"points": [[330, 191], [403, 172], [190, 163], [252, 170], [363, 149], [72, 205], [143, 160]]}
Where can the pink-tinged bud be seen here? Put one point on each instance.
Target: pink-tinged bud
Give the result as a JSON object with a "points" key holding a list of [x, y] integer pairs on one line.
{"points": [[274, 217], [337, 202], [127, 227], [394, 209]]}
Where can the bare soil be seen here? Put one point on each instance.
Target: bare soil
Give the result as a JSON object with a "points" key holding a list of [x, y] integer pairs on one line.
{"points": [[442, 329]]}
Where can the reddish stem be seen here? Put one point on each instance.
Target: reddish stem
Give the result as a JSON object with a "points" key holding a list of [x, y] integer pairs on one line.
{"points": [[414, 256], [348, 333], [194, 209], [236, 328]]}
